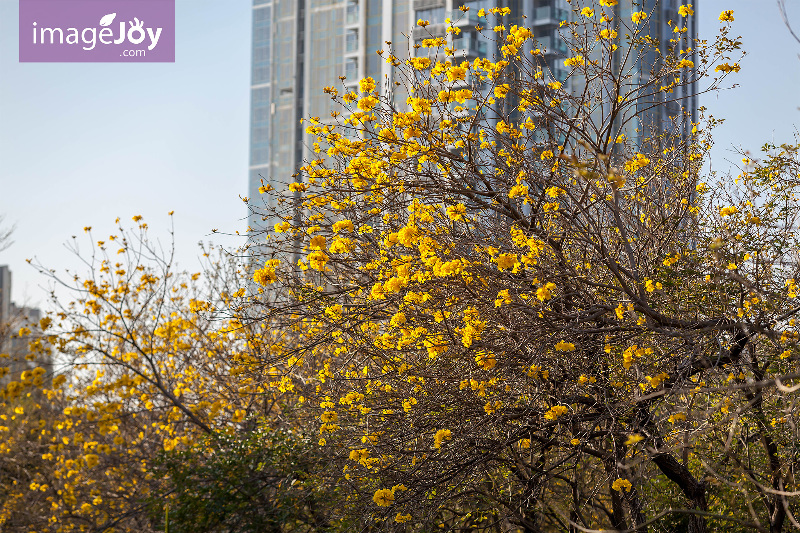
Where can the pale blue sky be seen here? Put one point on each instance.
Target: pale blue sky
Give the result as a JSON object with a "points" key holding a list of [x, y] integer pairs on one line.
{"points": [[81, 144]]}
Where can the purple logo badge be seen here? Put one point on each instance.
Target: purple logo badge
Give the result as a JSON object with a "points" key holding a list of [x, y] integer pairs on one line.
{"points": [[123, 31]]}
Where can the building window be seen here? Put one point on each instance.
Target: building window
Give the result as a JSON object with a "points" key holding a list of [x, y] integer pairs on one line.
{"points": [[352, 41], [351, 69], [352, 12], [434, 15]]}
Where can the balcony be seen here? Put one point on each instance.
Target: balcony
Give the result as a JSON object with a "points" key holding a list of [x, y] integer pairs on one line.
{"points": [[461, 19], [550, 15], [553, 44], [469, 45], [419, 5], [431, 31], [559, 74]]}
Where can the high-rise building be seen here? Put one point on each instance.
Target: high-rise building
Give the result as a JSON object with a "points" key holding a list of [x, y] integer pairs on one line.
{"points": [[5, 294], [301, 46], [14, 354]]}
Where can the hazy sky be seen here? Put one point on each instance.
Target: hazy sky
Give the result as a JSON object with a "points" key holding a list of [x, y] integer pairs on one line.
{"points": [[82, 144]]}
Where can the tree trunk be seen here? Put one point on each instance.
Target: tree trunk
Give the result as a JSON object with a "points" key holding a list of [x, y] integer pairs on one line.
{"points": [[695, 491]]}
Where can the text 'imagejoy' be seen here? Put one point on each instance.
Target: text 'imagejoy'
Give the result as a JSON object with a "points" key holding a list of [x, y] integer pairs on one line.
{"points": [[96, 31]]}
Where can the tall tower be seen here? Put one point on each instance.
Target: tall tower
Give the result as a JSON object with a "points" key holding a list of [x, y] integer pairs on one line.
{"points": [[664, 111], [5, 294], [299, 47]]}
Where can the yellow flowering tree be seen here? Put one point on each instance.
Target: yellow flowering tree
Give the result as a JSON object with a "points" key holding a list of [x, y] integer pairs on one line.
{"points": [[154, 405], [506, 311]]}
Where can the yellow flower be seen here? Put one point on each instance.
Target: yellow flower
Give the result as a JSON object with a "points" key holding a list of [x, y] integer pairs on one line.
{"points": [[441, 436], [608, 34], [575, 442], [400, 518], [398, 319], [727, 67], [318, 259], [281, 227], [633, 439], [334, 311], [329, 417], [791, 285], [727, 211], [501, 90], [456, 212], [420, 105], [264, 276], [556, 411], [341, 245], [574, 61], [616, 180], [383, 497], [620, 484], [726, 16], [367, 103], [420, 63], [608, 3], [587, 12], [638, 16], [545, 293], [518, 190], [555, 192], [367, 85], [485, 360], [686, 10], [685, 63], [492, 407], [503, 297], [639, 162], [343, 225], [506, 261], [562, 346], [456, 73], [317, 242], [634, 352]]}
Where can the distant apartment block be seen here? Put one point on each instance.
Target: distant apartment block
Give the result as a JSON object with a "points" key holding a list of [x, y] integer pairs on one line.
{"points": [[14, 353]]}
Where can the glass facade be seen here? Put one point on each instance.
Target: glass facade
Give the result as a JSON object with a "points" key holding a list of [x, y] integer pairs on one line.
{"points": [[260, 99]]}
